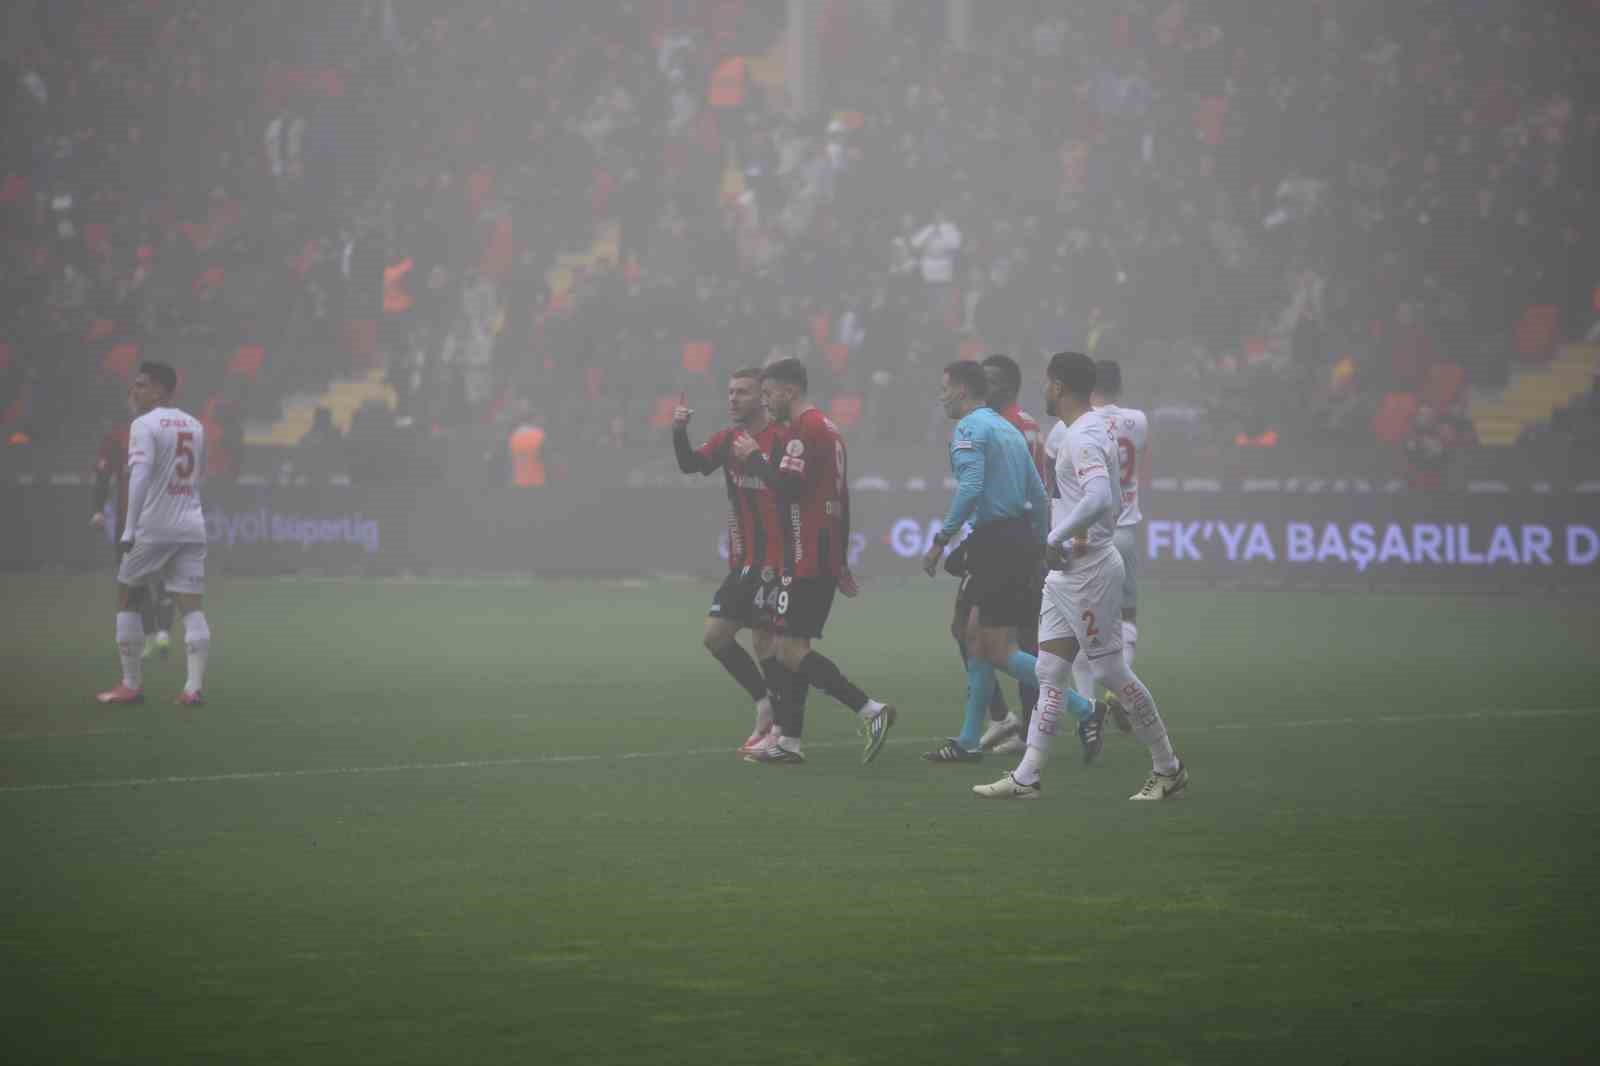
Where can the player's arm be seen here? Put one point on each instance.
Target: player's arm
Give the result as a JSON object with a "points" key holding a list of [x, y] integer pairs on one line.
{"points": [[966, 457], [1098, 499], [104, 471], [1038, 506], [141, 450], [706, 459], [789, 476]]}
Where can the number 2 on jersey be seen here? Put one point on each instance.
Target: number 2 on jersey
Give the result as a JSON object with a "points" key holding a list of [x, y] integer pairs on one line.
{"points": [[1126, 458]]}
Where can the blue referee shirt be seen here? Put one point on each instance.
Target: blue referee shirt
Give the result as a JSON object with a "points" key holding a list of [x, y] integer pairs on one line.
{"points": [[995, 475]]}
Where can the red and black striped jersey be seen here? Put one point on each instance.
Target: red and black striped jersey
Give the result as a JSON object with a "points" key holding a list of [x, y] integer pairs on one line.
{"points": [[755, 538]]}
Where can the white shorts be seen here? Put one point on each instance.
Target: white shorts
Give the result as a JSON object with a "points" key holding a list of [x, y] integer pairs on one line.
{"points": [[1127, 541], [181, 567], [1085, 602]]}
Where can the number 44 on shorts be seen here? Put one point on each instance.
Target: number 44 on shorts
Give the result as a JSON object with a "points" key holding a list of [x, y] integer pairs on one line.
{"points": [[774, 600]]}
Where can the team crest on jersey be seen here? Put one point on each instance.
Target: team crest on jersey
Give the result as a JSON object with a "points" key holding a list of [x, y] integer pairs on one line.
{"points": [[795, 448], [788, 580]]}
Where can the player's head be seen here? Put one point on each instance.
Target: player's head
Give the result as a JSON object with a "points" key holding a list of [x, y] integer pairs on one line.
{"points": [[1005, 380], [966, 386], [1107, 382], [1068, 382], [744, 395], [783, 383], [153, 386]]}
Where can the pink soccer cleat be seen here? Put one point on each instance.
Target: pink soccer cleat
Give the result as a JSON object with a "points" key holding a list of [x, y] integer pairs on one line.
{"points": [[191, 699], [755, 740], [121, 695]]}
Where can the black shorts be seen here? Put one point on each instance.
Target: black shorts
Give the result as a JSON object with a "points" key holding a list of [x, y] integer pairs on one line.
{"points": [[1027, 632], [798, 606], [734, 600], [1003, 576]]}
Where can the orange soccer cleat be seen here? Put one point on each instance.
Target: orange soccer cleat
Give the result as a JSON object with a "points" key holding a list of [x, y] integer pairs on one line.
{"points": [[122, 694]]}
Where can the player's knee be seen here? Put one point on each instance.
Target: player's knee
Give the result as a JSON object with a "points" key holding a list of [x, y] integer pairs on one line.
{"points": [[763, 643], [1112, 672], [1053, 670], [792, 653], [716, 640]]}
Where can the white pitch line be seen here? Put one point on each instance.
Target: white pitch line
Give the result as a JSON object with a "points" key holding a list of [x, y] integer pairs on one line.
{"points": [[541, 760]]}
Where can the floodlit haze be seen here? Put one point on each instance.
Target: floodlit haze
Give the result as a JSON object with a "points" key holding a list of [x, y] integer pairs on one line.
{"points": [[1346, 245]]}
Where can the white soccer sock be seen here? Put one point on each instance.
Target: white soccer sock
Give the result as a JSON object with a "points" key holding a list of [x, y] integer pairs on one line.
{"points": [[1053, 672], [1114, 674], [1083, 676], [130, 648], [763, 714], [1130, 641], [197, 638], [869, 710]]}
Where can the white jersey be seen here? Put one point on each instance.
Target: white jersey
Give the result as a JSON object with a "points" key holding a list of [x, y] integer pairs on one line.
{"points": [[1130, 429], [166, 455], [1078, 454]]}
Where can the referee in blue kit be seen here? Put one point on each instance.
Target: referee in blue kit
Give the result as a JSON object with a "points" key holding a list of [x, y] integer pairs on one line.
{"points": [[999, 492]]}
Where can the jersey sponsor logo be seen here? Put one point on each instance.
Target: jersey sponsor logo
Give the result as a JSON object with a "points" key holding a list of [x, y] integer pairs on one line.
{"points": [[799, 541], [962, 445], [789, 462], [767, 574], [750, 482]]}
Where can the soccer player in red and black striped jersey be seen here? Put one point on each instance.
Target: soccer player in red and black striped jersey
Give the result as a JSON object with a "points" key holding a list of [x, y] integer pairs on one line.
{"points": [[813, 495], [111, 464], [755, 542]]}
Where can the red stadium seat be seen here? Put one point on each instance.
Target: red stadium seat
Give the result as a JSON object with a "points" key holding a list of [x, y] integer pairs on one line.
{"points": [[1392, 423], [845, 410], [246, 362], [837, 356], [1536, 332], [1443, 385], [697, 357], [121, 360], [661, 417]]}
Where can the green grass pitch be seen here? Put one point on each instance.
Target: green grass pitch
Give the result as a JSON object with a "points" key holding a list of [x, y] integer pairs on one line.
{"points": [[490, 822]]}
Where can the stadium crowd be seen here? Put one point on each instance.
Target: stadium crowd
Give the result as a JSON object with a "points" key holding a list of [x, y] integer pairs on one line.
{"points": [[1275, 215]]}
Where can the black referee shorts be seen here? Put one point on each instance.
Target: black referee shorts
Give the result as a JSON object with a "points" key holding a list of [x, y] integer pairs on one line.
{"points": [[1002, 580]]}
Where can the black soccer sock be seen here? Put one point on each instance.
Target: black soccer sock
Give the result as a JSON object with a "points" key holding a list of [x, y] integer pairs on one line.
{"points": [[794, 705], [737, 662], [147, 615], [788, 697], [819, 670]]}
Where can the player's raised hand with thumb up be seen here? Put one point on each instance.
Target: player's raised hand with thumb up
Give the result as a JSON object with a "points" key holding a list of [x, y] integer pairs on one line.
{"points": [[681, 413]]}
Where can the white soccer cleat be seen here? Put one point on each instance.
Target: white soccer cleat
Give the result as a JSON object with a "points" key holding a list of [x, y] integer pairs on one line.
{"points": [[1163, 786], [1007, 788], [1012, 745], [1009, 726]]}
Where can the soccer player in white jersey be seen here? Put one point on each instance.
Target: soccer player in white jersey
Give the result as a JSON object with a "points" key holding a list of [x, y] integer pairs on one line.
{"points": [[165, 534], [1083, 593], [1130, 432]]}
